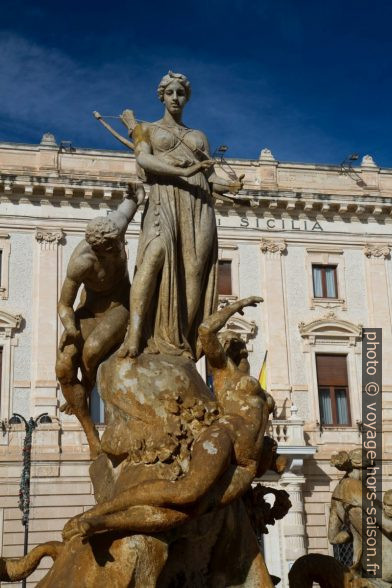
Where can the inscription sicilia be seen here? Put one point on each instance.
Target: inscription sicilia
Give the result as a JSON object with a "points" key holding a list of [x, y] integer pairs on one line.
{"points": [[276, 224]]}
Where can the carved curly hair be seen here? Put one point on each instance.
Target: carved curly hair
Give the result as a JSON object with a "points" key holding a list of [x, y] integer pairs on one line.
{"points": [[170, 77], [100, 230]]}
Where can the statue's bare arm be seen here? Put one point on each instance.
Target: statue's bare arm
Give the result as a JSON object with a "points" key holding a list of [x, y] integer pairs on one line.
{"points": [[208, 338], [221, 185], [126, 210], [153, 164], [77, 268], [65, 307]]}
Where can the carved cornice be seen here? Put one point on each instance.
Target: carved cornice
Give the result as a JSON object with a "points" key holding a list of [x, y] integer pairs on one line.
{"points": [[377, 250], [45, 186], [246, 329], [9, 321], [330, 326], [49, 235], [273, 245]]}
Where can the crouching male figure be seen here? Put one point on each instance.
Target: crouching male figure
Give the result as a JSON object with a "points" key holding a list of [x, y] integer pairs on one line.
{"points": [[99, 323]]}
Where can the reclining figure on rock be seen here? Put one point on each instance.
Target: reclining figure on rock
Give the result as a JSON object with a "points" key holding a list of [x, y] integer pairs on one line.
{"points": [[225, 457], [99, 324]]}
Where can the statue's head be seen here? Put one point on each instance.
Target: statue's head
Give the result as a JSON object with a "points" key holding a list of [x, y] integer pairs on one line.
{"points": [[174, 90], [387, 504], [357, 459], [103, 234], [341, 461], [235, 348]]}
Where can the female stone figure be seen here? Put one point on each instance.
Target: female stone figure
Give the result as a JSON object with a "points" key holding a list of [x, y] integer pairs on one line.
{"points": [[174, 286]]}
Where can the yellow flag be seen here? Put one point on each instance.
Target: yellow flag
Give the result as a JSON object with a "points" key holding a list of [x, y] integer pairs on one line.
{"points": [[263, 373]]}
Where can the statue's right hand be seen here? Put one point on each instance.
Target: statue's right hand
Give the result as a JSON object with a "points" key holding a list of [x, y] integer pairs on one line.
{"points": [[71, 335], [197, 167], [250, 301], [72, 528]]}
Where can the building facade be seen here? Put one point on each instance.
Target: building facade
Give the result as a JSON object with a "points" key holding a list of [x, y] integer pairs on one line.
{"points": [[313, 240]]}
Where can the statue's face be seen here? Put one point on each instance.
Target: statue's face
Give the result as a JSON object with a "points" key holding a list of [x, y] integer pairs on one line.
{"points": [[237, 351], [387, 504], [174, 97], [108, 247]]}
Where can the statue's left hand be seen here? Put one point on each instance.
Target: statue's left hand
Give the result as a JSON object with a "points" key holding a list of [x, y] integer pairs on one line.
{"points": [[136, 192], [73, 527], [250, 301], [235, 187]]}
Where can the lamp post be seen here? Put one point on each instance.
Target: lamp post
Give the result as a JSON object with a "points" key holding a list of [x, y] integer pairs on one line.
{"points": [[24, 489]]}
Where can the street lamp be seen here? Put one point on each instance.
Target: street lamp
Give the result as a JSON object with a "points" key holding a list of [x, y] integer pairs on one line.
{"points": [[24, 489]]}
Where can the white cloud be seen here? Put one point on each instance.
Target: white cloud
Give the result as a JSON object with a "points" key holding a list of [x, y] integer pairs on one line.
{"points": [[43, 89]]}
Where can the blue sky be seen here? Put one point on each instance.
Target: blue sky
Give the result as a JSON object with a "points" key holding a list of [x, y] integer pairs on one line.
{"points": [[311, 80]]}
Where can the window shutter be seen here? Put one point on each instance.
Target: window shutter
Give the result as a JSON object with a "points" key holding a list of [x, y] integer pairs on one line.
{"points": [[224, 277], [331, 370]]}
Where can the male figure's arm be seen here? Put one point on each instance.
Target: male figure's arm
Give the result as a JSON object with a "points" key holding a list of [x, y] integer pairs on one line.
{"points": [[126, 210], [77, 267], [208, 338]]}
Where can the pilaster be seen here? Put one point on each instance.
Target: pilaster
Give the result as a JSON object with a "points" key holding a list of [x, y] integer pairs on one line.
{"points": [[275, 309], [45, 296], [379, 303]]}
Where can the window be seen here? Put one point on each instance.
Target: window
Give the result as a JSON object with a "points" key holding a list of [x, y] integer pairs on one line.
{"points": [[324, 281], [333, 390], [224, 277]]}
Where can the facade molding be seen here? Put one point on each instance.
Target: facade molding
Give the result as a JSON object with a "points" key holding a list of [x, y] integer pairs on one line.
{"points": [[273, 246], [5, 249], [377, 250], [8, 324], [9, 321], [246, 329], [330, 326], [49, 235]]}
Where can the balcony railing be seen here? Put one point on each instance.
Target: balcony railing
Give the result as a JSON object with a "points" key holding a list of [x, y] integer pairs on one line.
{"points": [[288, 431]]}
